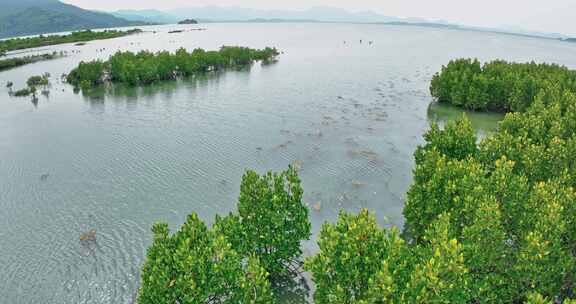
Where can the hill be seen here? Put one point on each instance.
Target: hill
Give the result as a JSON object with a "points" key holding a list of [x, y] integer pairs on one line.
{"points": [[29, 17], [150, 16]]}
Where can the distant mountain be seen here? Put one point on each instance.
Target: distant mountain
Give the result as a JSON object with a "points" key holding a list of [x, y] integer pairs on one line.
{"points": [[28, 17], [323, 14], [149, 16], [314, 14], [227, 14], [521, 31], [503, 31]]}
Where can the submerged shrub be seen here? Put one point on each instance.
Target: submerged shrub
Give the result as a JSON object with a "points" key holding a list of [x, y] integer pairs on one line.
{"points": [[23, 92], [36, 81]]}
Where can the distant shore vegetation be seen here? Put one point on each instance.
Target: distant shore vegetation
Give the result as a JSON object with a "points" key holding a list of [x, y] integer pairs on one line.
{"points": [[10, 63], [146, 67], [188, 21], [498, 86], [80, 36]]}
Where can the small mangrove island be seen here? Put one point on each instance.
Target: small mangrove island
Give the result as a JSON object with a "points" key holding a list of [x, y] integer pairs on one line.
{"points": [[146, 67], [498, 86], [80, 36], [188, 21], [6, 64]]}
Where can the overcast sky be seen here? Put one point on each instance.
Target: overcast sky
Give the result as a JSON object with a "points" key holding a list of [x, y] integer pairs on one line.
{"points": [[541, 15]]}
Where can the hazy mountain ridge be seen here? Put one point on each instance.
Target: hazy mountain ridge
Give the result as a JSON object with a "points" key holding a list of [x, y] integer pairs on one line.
{"points": [[314, 14], [148, 15], [28, 17], [218, 13]]}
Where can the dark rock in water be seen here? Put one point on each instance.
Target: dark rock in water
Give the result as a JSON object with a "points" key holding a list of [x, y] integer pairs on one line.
{"points": [[88, 236], [175, 31], [188, 21], [297, 165], [317, 206], [44, 177]]}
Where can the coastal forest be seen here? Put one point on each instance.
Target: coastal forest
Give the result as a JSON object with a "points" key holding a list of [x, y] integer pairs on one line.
{"points": [[81, 37], [13, 44], [486, 221], [10, 63]]}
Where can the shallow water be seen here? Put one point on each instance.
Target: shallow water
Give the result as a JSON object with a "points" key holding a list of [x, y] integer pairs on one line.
{"points": [[485, 123], [122, 158]]}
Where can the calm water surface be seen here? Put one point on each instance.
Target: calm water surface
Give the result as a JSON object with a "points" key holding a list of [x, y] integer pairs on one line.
{"points": [[122, 158]]}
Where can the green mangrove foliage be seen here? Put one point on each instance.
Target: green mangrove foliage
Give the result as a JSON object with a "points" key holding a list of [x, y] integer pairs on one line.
{"points": [[37, 81], [24, 92], [6, 64], [81, 36], [360, 262], [536, 298], [87, 74], [511, 198], [146, 67], [269, 204], [497, 85], [33, 83], [236, 260], [197, 265]]}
